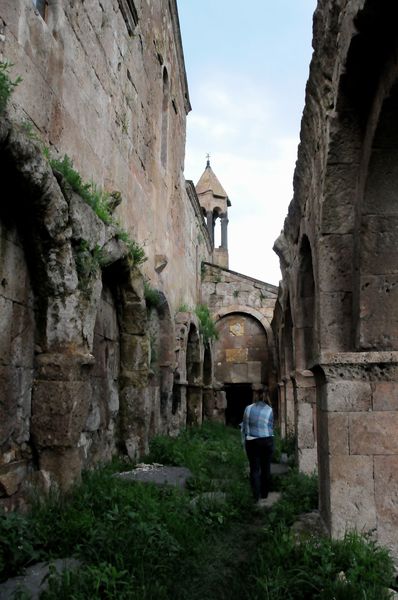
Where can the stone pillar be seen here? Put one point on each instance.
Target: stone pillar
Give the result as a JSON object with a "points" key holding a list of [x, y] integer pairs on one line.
{"points": [[60, 404], [357, 398], [209, 402], [224, 232], [210, 225], [305, 410], [289, 403], [194, 405], [282, 408]]}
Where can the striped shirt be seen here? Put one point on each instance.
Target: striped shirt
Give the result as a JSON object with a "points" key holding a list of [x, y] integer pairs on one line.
{"points": [[258, 421]]}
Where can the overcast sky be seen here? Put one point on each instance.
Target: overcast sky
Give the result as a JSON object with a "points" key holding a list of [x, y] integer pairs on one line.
{"points": [[247, 66]]}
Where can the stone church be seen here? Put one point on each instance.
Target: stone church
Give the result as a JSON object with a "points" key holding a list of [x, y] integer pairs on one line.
{"points": [[109, 274]]}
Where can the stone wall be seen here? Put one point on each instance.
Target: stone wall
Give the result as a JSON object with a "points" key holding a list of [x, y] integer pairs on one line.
{"points": [[88, 366], [244, 352], [336, 314], [116, 102]]}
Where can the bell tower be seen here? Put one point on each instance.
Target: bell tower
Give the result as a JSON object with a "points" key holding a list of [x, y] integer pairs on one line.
{"points": [[214, 202]]}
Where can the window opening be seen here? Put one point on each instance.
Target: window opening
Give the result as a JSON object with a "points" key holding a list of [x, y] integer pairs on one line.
{"points": [[41, 6], [130, 14]]}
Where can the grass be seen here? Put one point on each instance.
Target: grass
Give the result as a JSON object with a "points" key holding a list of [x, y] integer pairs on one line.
{"points": [[142, 542]]}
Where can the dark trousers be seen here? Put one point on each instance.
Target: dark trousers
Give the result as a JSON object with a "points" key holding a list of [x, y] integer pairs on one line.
{"points": [[259, 452]]}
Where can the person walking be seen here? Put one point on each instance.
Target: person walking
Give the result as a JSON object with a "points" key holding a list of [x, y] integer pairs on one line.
{"points": [[258, 432]]}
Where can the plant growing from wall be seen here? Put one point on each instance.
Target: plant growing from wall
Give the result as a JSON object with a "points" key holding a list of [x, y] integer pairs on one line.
{"points": [[100, 201], [88, 263], [152, 296], [7, 86], [236, 294], [207, 325], [183, 308]]}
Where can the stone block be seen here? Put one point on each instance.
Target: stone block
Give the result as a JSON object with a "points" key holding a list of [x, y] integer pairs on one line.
{"points": [[254, 371], [336, 263], [350, 396], [374, 433], [335, 320], [307, 460], [385, 395], [236, 355], [378, 319], [15, 399], [352, 494], [11, 477], [237, 373], [59, 412], [61, 466], [386, 493], [134, 352], [133, 317], [337, 432], [378, 244], [305, 426]]}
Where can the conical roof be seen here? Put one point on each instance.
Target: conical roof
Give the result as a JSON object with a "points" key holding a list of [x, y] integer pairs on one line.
{"points": [[209, 183]]}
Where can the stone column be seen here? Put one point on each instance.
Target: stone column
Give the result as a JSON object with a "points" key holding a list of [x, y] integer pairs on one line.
{"points": [[224, 232], [210, 225], [60, 403], [357, 398], [305, 410], [209, 402], [282, 408], [289, 403], [194, 404]]}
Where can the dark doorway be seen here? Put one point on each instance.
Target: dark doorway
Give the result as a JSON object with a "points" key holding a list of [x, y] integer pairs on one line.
{"points": [[239, 395]]}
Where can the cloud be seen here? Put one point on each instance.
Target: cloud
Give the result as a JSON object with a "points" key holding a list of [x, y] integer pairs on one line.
{"points": [[253, 162]]}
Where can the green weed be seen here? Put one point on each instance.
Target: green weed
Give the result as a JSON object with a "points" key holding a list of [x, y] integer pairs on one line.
{"points": [[152, 296], [144, 542], [100, 201], [207, 326], [7, 86]]}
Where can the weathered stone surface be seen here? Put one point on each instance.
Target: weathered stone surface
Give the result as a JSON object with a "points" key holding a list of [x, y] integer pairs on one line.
{"points": [[11, 477], [385, 395], [338, 433], [59, 412], [158, 474], [35, 579], [352, 494], [347, 396], [386, 494], [374, 433]]}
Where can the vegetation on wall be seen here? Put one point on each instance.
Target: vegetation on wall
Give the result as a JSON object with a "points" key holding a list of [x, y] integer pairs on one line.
{"points": [[88, 263], [100, 201], [152, 296], [207, 325], [7, 85]]}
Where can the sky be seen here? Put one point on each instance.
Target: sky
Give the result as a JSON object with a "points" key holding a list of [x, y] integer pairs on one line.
{"points": [[247, 66]]}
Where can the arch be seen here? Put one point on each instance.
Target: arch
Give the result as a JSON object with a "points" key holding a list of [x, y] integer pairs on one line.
{"points": [[376, 316], [161, 345], [365, 79], [253, 312], [305, 309]]}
